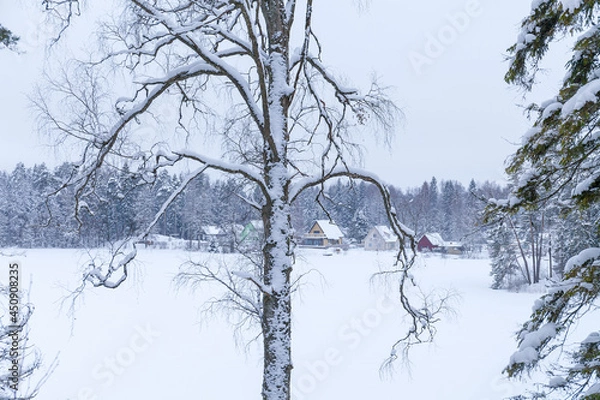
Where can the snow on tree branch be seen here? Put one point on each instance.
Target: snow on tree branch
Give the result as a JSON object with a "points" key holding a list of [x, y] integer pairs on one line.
{"points": [[547, 331], [223, 166], [118, 264], [549, 20]]}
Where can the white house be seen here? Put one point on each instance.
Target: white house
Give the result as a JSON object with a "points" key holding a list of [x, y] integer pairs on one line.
{"points": [[381, 238]]}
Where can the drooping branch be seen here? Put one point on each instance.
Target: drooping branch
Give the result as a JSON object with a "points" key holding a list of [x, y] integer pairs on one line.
{"points": [[432, 306], [118, 264]]}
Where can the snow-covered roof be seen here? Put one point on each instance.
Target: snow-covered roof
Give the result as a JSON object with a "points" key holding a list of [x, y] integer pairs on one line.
{"points": [[257, 224], [212, 230], [435, 239], [330, 229], [386, 233]]}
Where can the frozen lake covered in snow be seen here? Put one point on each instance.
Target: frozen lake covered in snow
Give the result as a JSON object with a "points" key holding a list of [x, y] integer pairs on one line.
{"points": [[149, 340]]}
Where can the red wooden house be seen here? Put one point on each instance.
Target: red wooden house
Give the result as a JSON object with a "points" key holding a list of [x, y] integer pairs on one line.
{"points": [[431, 242]]}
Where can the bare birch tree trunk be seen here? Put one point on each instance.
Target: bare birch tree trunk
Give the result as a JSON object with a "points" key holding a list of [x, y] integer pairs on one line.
{"points": [[277, 306]]}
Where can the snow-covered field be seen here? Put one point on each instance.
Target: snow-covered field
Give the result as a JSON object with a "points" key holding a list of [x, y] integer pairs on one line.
{"points": [[147, 339]]}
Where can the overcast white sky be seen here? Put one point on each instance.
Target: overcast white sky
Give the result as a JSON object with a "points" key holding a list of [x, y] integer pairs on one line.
{"points": [[444, 59]]}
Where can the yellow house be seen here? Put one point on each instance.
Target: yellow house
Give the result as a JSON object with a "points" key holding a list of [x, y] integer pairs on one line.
{"points": [[323, 233]]}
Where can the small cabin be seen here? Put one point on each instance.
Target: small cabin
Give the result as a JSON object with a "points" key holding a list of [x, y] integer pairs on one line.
{"points": [[211, 233], [454, 248]]}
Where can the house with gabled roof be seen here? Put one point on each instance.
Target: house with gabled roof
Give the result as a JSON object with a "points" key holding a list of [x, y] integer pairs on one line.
{"points": [[430, 242], [323, 233], [434, 242], [211, 233], [456, 248], [212, 237], [381, 238]]}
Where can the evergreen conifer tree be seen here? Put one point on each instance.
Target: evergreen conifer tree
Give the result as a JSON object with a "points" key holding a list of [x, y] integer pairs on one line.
{"points": [[7, 38], [559, 163]]}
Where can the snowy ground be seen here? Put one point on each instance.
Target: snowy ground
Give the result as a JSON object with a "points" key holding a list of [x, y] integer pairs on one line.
{"points": [[146, 340]]}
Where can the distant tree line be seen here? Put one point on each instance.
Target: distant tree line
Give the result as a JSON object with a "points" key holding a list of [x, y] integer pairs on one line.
{"points": [[34, 213]]}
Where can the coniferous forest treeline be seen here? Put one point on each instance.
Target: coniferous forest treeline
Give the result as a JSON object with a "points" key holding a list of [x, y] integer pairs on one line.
{"points": [[524, 247], [35, 214]]}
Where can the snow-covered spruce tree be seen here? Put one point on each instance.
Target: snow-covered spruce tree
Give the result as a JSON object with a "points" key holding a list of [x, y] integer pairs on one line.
{"points": [[560, 160], [434, 214], [359, 226], [247, 74], [574, 233], [506, 271], [517, 242], [7, 38]]}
